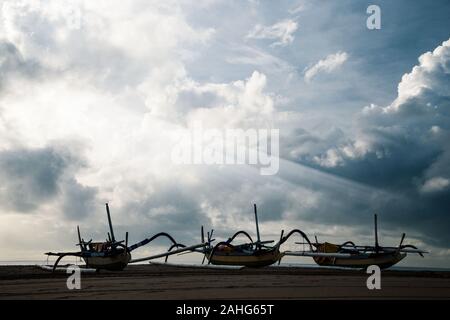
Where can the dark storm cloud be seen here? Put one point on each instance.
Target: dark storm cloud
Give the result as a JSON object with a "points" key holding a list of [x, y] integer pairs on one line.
{"points": [[405, 152], [33, 177], [78, 200], [29, 177]]}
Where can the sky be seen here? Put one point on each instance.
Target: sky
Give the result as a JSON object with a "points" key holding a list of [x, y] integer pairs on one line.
{"points": [[92, 94]]}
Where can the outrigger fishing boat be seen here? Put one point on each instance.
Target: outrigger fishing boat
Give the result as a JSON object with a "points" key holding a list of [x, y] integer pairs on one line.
{"points": [[364, 256], [260, 253], [116, 255], [254, 253]]}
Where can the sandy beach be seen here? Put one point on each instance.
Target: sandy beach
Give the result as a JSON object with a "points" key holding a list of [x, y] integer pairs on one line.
{"points": [[170, 282]]}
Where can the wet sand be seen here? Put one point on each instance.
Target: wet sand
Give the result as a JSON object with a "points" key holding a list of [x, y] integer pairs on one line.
{"points": [[169, 282]]}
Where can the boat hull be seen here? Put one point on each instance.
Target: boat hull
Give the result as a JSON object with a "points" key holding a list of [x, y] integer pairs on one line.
{"points": [[254, 260], [114, 263], [362, 261]]}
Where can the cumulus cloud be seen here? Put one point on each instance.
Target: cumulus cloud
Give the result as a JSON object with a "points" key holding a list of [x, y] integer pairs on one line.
{"points": [[243, 104], [96, 84], [102, 45], [417, 118], [123, 99], [432, 74], [404, 147], [282, 31], [326, 65]]}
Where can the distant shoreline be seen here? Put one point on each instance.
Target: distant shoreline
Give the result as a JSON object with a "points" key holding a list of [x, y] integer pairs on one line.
{"points": [[5, 263]]}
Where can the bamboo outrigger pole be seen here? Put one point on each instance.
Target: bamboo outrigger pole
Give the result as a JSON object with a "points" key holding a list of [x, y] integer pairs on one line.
{"points": [[113, 239], [376, 233], [257, 226], [190, 248]]}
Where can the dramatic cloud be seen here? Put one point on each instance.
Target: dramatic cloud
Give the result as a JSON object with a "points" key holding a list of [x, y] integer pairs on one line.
{"points": [[32, 178], [29, 177], [242, 104], [414, 126], [407, 144], [282, 31], [327, 65]]}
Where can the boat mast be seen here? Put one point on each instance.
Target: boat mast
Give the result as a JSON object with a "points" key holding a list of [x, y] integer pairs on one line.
{"points": [[376, 233], [257, 226], [113, 239], [80, 242]]}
